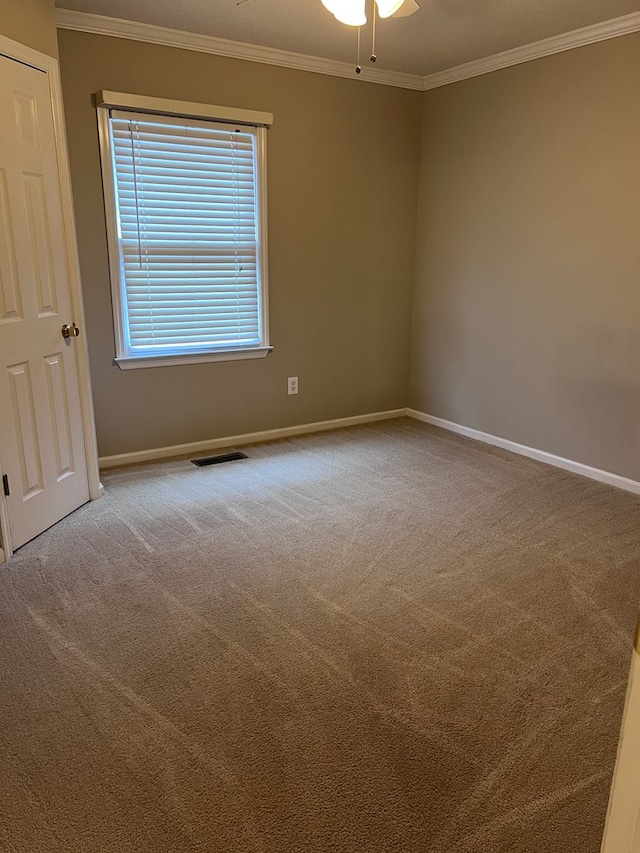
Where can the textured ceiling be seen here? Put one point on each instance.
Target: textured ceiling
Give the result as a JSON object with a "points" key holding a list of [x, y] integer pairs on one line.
{"points": [[443, 34]]}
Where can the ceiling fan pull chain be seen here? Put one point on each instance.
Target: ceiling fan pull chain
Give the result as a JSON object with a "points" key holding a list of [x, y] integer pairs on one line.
{"points": [[358, 66], [373, 56]]}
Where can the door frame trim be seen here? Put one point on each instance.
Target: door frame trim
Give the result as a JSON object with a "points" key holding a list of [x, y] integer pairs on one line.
{"points": [[622, 826], [49, 65]]}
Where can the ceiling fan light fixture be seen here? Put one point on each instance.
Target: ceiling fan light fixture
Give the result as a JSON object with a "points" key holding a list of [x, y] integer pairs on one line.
{"points": [[350, 12], [386, 8], [407, 8]]}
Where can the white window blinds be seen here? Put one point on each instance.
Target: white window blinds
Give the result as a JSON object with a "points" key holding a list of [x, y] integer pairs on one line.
{"points": [[186, 194]]}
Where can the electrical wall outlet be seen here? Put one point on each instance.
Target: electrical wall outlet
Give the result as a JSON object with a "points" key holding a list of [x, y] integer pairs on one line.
{"points": [[292, 385]]}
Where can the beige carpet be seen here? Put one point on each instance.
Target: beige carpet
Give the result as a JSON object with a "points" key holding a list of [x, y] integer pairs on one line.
{"points": [[382, 639]]}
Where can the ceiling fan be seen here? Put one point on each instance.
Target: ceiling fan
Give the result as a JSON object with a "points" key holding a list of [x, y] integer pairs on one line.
{"points": [[353, 13]]}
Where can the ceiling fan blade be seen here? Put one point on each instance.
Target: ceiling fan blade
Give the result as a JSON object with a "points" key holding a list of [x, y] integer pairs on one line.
{"points": [[407, 8]]}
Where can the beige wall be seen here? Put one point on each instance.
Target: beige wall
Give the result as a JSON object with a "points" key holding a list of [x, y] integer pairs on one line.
{"points": [[31, 22], [342, 169], [527, 306]]}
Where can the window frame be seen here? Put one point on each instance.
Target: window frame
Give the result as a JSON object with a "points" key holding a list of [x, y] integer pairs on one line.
{"points": [[161, 107]]}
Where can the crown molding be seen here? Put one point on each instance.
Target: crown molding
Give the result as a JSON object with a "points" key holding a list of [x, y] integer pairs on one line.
{"points": [[536, 50], [119, 28]]}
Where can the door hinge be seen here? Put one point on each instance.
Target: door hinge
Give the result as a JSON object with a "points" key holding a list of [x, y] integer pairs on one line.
{"points": [[5, 485]]}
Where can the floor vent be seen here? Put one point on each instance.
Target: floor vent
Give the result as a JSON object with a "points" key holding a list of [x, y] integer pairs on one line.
{"points": [[216, 460]]}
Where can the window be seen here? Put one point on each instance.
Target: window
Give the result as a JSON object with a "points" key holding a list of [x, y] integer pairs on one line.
{"points": [[185, 196]]}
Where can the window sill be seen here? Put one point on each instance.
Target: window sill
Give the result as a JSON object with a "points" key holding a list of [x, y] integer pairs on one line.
{"points": [[135, 362]]}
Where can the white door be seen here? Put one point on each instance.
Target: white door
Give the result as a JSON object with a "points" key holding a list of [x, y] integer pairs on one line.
{"points": [[41, 432]]}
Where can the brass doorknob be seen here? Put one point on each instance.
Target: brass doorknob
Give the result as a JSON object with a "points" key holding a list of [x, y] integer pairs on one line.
{"points": [[71, 331]]}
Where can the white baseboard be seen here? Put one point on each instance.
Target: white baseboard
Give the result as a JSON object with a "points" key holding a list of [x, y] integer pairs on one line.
{"points": [[531, 452], [152, 454], [248, 438]]}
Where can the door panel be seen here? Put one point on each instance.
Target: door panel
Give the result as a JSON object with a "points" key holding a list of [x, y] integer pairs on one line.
{"points": [[39, 230], [26, 121], [41, 434], [24, 421], [59, 406], [10, 305]]}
